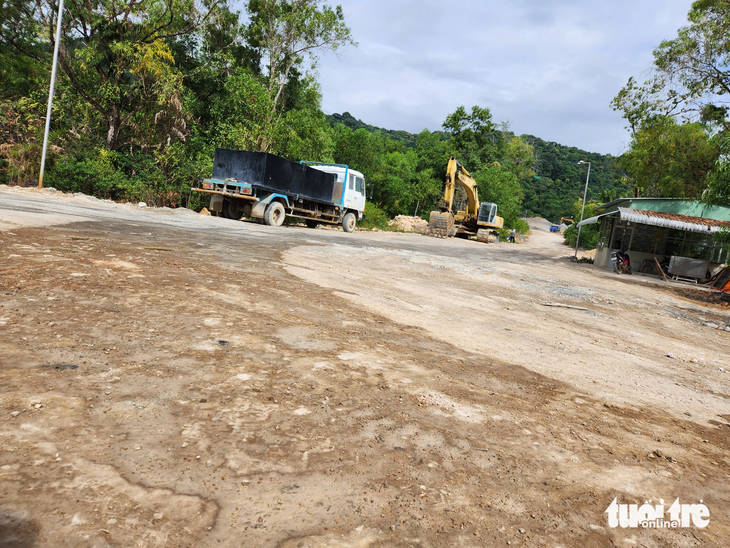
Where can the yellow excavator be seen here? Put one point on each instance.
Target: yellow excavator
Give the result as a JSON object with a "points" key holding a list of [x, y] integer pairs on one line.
{"points": [[479, 219]]}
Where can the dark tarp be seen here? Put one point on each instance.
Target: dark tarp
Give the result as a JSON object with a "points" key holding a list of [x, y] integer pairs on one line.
{"points": [[274, 174]]}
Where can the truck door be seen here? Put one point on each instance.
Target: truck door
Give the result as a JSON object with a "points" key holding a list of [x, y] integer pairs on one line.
{"points": [[355, 193], [359, 193]]}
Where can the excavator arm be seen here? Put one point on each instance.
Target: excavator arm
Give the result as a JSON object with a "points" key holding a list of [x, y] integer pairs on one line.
{"points": [[457, 174]]}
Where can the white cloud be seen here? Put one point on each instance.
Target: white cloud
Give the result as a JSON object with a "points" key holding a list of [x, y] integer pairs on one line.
{"points": [[549, 67]]}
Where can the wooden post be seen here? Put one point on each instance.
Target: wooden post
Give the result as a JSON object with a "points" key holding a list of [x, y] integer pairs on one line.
{"points": [[659, 268]]}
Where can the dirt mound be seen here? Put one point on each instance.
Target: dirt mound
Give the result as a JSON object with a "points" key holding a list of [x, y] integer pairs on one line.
{"points": [[409, 224], [538, 223]]}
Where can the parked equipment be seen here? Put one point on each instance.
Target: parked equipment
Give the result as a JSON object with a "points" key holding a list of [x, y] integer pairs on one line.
{"points": [[623, 263], [479, 219], [265, 186]]}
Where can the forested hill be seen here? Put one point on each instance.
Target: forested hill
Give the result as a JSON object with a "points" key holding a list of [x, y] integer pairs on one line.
{"points": [[408, 139], [559, 181]]}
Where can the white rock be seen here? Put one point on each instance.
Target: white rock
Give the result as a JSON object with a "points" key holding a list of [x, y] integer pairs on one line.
{"points": [[141, 204], [15, 413]]}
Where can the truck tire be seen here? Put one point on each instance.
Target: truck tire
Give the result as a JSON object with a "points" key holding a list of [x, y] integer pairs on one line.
{"points": [[274, 214], [349, 221], [311, 223], [232, 210]]}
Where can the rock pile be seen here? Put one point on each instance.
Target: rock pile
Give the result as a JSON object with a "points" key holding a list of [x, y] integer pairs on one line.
{"points": [[409, 224]]}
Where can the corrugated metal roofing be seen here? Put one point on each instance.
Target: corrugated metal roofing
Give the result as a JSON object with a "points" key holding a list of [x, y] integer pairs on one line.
{"points": [[672, 220], [594, 220], [664, 220]]}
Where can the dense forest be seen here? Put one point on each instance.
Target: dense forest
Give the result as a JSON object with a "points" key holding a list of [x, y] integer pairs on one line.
{"points": [[146, 91]]}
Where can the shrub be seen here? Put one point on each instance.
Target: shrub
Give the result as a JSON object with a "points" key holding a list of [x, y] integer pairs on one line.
{"points": [[374, 217]]}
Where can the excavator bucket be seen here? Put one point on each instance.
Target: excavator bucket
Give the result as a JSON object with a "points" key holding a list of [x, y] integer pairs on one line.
{"points": [[441, 224]]}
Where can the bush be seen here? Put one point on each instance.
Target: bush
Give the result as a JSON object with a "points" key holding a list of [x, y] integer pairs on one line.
{"points": [[588, 236], [161, 178], [374, 217], [521, 226]]}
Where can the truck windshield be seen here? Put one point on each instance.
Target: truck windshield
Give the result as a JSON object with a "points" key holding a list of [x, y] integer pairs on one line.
{"points": [[360, 185]]}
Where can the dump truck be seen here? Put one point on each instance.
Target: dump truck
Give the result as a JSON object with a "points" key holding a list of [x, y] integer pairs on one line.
{"points": [[479, 219], [264, 186]]}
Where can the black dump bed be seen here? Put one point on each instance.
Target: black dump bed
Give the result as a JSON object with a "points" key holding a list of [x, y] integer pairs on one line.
{"points": [[274, 174]]}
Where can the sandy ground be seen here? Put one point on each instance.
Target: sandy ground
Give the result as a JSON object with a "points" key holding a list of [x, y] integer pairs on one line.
{"points": [[168, 379]]}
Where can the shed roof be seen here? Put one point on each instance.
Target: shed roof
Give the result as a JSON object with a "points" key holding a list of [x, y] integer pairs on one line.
{"points": [[673, 220], [664, 220], [692, 208]]}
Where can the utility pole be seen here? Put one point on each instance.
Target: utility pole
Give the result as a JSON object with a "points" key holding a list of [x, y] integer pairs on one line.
{"points": [[50, 94], [585, 193]]}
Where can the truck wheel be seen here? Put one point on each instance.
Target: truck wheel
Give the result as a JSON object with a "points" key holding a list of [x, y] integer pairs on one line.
{"points": [[274, 214], [311, 223], [349, 221], [232, 210]]}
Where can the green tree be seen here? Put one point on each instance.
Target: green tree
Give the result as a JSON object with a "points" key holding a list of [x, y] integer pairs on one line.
{"points": [[473, 137], [23, 54], [241, 114], [500, 186], [117, 57], [520, 158], [691, 72], [285, 33], [718, 183], [671, 160], [589, 233]]}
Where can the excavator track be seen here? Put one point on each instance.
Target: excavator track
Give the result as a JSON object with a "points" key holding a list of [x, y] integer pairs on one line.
{"points": [[486, 235], [441, 225]]}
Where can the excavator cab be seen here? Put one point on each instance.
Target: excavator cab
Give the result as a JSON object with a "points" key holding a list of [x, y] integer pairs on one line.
{"points": [[487, 213]]}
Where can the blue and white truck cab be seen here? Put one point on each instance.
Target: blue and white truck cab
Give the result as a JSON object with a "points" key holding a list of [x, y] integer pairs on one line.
{"points": [[353, 193]]}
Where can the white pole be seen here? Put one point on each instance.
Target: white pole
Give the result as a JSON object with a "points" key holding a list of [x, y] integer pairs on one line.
{"points": [[585, 193], [50, 94]]}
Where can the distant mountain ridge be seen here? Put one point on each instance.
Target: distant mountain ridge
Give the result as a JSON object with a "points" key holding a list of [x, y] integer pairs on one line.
{"points": [[354, 123]]}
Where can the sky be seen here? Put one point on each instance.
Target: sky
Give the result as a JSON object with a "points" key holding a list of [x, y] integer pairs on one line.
{"points": [[549, 68]]}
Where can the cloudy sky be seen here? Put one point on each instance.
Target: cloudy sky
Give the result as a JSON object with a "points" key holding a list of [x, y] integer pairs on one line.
{"points": [[548, 67]]}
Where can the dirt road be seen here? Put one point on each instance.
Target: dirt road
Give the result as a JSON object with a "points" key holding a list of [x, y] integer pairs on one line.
{"points": [[169, 379]]}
